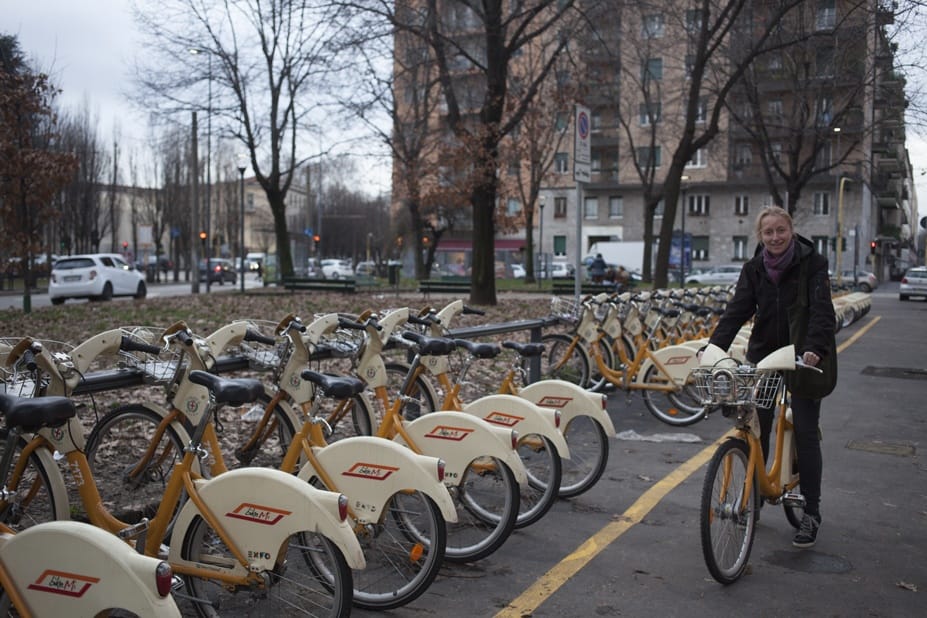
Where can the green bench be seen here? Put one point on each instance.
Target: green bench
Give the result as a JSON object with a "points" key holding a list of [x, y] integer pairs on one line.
{"points": [[319, 285], [455, 285], [566, 288]]}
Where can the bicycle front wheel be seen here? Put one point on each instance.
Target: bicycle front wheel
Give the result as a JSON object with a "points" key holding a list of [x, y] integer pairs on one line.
{"points": [[545, 470], [487, 500], [404, 552], [727, 520], [562, 360], [311, 578], [669, 406], [131, 452], [588, 444], [33, 497]]}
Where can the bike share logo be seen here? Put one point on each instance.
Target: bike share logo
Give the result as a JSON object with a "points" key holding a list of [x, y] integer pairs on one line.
{"points": [[443, 432], [258, 514], [501, 418], [678, 360], [60, 582], [551, 401], [192, 406], [370, 471]]}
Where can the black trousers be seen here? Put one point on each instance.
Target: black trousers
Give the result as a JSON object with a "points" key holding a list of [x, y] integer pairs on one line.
{"points": [[806, 416]]}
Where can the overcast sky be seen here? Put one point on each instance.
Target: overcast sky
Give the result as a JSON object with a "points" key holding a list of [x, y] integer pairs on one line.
{"points": [[88, 47]]}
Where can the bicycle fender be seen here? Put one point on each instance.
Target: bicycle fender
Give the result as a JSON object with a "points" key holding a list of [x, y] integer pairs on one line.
{"points": [[260, 508], [572, 400], [66, 568], [458, 439], [371, 470], [55, 480], [226, 337], [678, 360], [520, 414]]}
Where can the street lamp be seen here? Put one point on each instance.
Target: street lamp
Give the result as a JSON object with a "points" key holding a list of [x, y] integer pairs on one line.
{"points": [[682, 240], [207, 249], [242, 166], [837, 243], [540, 237]]}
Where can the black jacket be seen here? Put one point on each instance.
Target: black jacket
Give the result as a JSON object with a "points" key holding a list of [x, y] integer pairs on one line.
{"points": [[758, 297]]}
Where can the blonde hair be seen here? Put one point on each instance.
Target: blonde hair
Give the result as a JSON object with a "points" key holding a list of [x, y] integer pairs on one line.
{"points": [[771, 211]]}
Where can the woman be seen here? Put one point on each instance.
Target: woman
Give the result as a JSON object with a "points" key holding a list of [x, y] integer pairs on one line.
{"points": [[770, 291]]}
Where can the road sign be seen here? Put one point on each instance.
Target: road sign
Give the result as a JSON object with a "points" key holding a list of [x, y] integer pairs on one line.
{"points": [[582, 151]]}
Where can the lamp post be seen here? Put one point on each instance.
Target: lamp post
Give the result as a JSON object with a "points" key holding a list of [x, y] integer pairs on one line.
{"points": [[540, 238], [241, 200], [682, 240], [837, 242], [207, 247]]}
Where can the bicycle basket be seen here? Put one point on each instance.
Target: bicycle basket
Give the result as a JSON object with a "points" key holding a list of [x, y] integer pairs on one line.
{"points": [[736, 386], [260, 356], [156, 369], [564, 308], [16, 380]]}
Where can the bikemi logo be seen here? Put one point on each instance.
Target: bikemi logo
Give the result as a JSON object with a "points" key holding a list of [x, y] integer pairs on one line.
{"points": [[501, 418], [60, 582], [258, 514], [454, 434], [550, 401], [678, 360], [374, 472]]}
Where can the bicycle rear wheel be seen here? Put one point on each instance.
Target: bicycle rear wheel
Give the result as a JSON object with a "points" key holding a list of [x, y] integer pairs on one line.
{"points": [[545, 470], [404, 552], [564, 361], [487, 500], [727, 521], [589, 449], [670, 407], [311, 578], [34, 499]]}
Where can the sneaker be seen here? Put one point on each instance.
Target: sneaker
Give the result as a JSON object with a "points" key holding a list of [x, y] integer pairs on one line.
{"points": [[808, 532]]}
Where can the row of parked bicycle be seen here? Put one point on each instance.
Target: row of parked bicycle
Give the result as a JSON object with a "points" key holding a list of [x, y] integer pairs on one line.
{"points": [[349, 487]]}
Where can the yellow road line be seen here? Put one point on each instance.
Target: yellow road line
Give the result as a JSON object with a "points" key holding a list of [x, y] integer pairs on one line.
{"points": [[550, 582]]}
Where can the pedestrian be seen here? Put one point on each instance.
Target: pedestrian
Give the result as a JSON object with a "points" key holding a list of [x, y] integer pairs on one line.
{"points": [[622, 278], [785, 288], [597, 268]]}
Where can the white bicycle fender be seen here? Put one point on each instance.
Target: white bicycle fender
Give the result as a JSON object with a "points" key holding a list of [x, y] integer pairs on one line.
{"points": [[571, 400], [678, 360], [520, 414], [227, 336], [371, 470], [66, 568], [458, 439], [260, 508]]}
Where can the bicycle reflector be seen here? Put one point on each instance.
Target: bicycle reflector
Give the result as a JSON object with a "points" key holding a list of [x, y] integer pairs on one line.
{"points": [[164, 578], [723, 386], [343, 507], [441, 466], [514, 440]]}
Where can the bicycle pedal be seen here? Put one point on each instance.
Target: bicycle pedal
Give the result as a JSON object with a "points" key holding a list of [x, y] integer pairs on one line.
{"points": [[793, 500]]}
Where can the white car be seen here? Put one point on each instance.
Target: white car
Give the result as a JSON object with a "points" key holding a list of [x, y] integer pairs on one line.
{"points": [[727, 274], [518, 271], [97, 276], [337, 269]]}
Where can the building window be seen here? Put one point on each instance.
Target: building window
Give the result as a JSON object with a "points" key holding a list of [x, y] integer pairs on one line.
{"points": [[825, 111], [660, 209], [652, 26], [740, 248], [699, 248], [821, 244], [591, 208], [821, 204], [694, 19], [652, 69], [699, 159], [701, 110], [698, 205], [649, 113], [743, 155], [596, 120], [690, 65], [560, 205], [824, 62], [741, 205], [648, 157], [595, 162], [774, 109], [512, 207], [775, 62], [615, 207], [776, 151], [561, 163], [561, 121], [827, 15], [559, 245]]}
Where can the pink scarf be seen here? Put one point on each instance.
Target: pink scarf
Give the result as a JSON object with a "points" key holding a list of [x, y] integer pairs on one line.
{"points": [[776, 265]]}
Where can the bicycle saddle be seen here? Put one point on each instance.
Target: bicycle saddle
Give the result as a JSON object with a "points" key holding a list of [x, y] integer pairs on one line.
{"points": [[33, 414]]}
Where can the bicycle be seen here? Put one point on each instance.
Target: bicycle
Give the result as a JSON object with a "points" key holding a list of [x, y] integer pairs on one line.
{"points": [[286, 544], [738, 477], [397, 504]]}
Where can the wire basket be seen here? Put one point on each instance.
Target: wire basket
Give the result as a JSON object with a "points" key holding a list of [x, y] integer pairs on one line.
{"points": [[564, 308], [263, 357], [16, 379], [736, 386], [157, 368], [15, 383]]}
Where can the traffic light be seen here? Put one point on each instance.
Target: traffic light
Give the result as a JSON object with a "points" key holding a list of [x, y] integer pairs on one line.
{"points": [[872, 247], [202, 235], [316, 238], [125, 245]]}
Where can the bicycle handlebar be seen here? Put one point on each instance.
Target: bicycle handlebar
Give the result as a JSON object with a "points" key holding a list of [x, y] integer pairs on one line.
{"points": [[253, 335], [128, 344]]}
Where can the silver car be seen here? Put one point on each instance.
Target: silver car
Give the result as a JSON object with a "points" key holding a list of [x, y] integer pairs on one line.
{"points": [[726, 274], [97, 276], [914, 283]]}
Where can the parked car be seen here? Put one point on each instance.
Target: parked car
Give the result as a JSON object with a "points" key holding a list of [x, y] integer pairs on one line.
{"points": [[865, 280], [337, 269], [219, 270], [913, 283], [366, 269], [314, 269], [559, 270], [97, 276], [518, 271], [726, 274], [163, 264]]}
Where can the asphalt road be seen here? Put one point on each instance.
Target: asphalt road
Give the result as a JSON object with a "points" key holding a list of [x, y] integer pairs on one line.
{"points": [[630, 546]]}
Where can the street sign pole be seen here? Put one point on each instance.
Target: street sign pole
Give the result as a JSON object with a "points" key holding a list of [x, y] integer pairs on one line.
{"points": [[582, 171]]}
